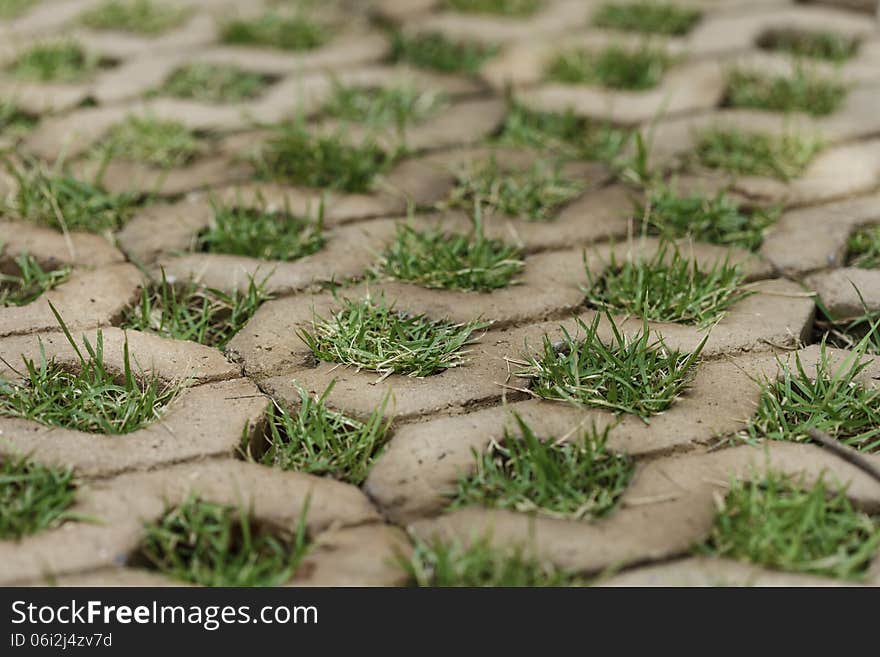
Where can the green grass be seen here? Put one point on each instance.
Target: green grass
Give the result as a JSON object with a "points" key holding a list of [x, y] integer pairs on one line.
{"points": [[717, 219], [143, 17], [62, 61], [803, 91], [614, 67], [666, 287], [92, 399], [783, 157], [13, 121], [272, 30], [435, 52], [323, 442], [58, 200], [448, 563], [30, 282], [258, 232], [398, 106], [33, 498], [647, 17], [435, 258], [829, 46], [534, 194], [833, 401], [371, 335], [151, 141], [575, 479], [10, 9], [294, 155], [214, 83], [633, 374], [516, 8], [217, 545], [781, 523], [193, 312], [863, 247], [562, 134]]}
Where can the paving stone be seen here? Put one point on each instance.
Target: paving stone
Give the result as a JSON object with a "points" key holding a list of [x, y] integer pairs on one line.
{"points": [[53, 248], [668, 507], [88, 298], [125, 503]]}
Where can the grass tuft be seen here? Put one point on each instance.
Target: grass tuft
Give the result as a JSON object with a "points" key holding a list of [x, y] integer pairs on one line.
{"points": [[563, 479], [453, 261], [143, 17], [435, 52], [647, 17], [10, 9], [370, 335], [92, 399], [273, 30], [631, 375], [296, 156], [564, 134], [666, 287], [803, 91], [829, 46], [56, 61], [217, 545], [516, 8], [151, 141], [261, 233], [319, 441], [715, 219], [784, 157], [192, 312], [33, 498], [60, 201], [615, 67], [834, 401], [783, 524], [863, 247], [13, 121], [30, 282], [214, 83], [439, 563], [851, 331], [534, 194], [383, 107]]}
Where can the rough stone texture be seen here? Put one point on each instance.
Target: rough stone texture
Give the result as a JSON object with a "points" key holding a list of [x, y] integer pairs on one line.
{"points": [[683, 456]]}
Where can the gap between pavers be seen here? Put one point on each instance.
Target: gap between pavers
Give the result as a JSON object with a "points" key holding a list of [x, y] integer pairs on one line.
{"points": [[53, 248], [814, 238], [708, 571], [271, 352], [848, 291], [341, 521], [688, 86], [88, 298], [668, 508], [418, 472]]}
